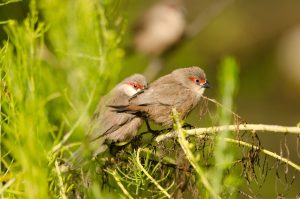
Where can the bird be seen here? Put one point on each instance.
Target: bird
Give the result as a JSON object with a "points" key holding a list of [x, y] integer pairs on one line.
{"points": [[161, 27], [108, 126], [181, 89]]}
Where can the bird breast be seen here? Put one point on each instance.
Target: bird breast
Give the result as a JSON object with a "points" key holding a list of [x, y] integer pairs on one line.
{"points": [[128, 90]]}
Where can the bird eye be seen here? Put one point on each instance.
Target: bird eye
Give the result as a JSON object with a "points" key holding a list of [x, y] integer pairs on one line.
{"points": [[135, 86], [197, 80]]}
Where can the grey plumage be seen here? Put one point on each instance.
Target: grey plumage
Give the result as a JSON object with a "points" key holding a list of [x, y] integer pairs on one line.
{"points": [[180, 89], [109, 126]]}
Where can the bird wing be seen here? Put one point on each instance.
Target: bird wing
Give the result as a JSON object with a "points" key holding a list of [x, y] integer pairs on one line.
{"points": [[102, 123], [165, 91]]}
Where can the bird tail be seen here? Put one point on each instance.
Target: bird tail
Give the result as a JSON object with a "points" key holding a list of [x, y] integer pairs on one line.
{"points": [[119, 109], [78, 158], [123, 109], [83, 155]]}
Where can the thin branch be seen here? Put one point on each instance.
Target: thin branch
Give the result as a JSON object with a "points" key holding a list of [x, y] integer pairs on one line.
{"points": [[10, 182], [77, 123], [60, 181], [155, 157], [265, 151], [240, 127], [149, 176], [9, 2], [201, 132], [224, 107], [190, 156], [117, 178]]}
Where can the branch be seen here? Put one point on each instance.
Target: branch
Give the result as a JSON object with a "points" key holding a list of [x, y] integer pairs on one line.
{"points": [[149, 176], [74, 127], [8, 2], [118, 180], [185, 145], [240, 127], [6, 185], [201, 132], [265, 151], [62, 190], [270, 153]]}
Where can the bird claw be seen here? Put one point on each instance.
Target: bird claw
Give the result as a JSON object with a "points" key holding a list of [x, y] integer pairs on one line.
{"points": [[155, 132], [187, 126]]}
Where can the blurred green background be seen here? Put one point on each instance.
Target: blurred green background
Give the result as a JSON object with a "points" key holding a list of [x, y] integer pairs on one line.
{"points": [[263, 36], [254, 32]]}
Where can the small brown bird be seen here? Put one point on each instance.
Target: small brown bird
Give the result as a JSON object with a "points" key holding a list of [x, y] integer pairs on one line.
{"points": [[160, 28], [181, 89], [109, 126]]}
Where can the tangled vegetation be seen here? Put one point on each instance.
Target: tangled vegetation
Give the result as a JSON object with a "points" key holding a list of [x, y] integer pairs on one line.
{"points": [[54, 66]]}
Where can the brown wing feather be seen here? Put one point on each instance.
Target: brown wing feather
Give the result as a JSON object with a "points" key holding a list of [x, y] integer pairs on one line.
{"points": [[101, 122], [163, 95]]}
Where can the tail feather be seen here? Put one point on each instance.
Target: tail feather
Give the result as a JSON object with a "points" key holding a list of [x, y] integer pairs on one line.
{"points": [[123, 109], [83, 154], [78, 158], [120, 108]]}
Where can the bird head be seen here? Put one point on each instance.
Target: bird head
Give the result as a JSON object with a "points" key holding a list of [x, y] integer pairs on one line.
{"points": [[134, 84], [193, 78]]}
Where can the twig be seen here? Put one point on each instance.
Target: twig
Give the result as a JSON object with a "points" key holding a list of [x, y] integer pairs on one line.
{"points": [[149, 176], [68, 135], [190, 156], [265, 151], [240, 127], [10, 182], [8, 2], [60, 181], [117, 178], [221, 105], [164, 160]]}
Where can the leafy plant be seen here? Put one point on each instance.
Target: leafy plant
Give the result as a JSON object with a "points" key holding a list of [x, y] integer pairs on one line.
{"points": [[56, 64]]}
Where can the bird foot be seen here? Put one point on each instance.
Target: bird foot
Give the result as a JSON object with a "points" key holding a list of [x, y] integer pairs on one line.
{"points": [[155, 132], [187, 126]]}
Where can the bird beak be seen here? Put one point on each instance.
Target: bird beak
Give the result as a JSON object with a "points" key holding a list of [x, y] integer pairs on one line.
{"points": [[206, 85]]}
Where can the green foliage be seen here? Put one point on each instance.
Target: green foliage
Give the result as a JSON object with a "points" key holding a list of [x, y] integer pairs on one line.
{"points": [[48, 89], [215, 180], [228, 81], [55, 66]]}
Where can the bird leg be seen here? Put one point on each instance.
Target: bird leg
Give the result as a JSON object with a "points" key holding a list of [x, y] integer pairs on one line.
{"points": [[187, 126], [156, 132], [114, 149]]}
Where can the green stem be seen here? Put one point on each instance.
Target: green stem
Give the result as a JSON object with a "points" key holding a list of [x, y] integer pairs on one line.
{"points": [[117, 178], [265, 151], [190, 156], [149, 176], [60, 181]]}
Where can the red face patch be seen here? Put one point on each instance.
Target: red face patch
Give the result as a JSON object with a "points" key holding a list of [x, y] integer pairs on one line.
{"points": [[136, 85], [197, 80], [202, 81], [140, 86]]}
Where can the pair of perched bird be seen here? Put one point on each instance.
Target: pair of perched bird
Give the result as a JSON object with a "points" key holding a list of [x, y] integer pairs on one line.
{"points": [[121, 112]]}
